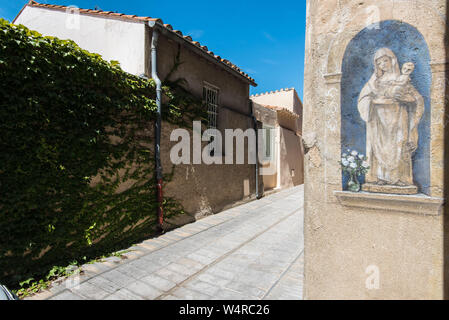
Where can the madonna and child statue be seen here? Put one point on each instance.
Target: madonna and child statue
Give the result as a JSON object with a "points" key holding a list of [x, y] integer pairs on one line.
{"points": [[392, 108]]}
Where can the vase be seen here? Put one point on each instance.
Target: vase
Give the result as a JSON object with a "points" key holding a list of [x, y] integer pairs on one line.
{"points": [[353, 184]]}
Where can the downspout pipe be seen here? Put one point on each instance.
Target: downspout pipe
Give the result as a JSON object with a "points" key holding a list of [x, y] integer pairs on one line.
{"points": [[157, 127], [258, 196]]}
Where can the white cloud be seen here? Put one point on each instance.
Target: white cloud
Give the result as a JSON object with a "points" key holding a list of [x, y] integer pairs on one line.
{"points": [[196, 34], [269, 61], [269, 37], [250, 71]]}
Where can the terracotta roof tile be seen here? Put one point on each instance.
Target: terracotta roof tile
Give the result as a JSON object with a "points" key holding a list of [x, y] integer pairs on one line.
{"points": [[111, 14], [272, 107], [142, 18], [272, 92]]}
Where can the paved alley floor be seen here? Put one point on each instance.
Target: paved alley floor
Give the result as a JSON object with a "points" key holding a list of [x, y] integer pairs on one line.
{"points": [[253, 251]]}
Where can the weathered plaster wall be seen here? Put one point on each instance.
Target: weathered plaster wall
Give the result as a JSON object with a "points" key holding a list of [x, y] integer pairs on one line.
{"points": [[286, 120], [233, 93], [343, 243], [265, 115], [292, 159], [206, 189], [113, 39]]}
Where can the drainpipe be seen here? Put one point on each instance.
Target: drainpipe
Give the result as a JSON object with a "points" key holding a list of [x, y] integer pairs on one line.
{"points": [[157, 127], [258, 196]]}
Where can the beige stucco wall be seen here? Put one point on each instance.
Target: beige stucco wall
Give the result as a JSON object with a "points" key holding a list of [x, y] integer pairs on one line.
{"points": [[288, 149], [292, 159], [206, 189], [341, 243], [285, 98]]}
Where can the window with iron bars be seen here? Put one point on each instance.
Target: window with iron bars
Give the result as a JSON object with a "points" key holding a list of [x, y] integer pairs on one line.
{"points": [[210, 98]]}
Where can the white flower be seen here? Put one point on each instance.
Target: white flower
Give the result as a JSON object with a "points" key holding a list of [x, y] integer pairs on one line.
{"points": [[345, 155], [361, 156], [344, 162], [353, 165], [354, 153], [365, 164], [351, 159]]}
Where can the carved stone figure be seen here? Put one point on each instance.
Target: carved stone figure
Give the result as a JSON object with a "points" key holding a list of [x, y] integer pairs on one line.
{"points": [[392, 108]]}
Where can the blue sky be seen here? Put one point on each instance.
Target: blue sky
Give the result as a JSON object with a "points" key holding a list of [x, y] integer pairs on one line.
{"points": [[264, 38]]}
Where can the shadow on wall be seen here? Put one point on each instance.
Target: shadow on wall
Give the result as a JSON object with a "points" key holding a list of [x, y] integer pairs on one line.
{"points": [[204, 189], [446, 167], [292, 154]]}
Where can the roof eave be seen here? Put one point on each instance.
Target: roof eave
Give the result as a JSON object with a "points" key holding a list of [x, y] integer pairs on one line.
{"points": [[21, 10], [178, 38], [164, 30]]}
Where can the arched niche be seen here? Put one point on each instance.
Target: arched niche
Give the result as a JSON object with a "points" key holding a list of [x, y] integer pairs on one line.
{"points": [[429, 23], [409, 45]]}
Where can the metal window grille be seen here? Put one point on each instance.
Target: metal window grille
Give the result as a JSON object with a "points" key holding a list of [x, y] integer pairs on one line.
{"points": [[210, 97]]}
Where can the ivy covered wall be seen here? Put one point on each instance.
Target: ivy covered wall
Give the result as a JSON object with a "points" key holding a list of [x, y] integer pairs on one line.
{"points": [[76, 160]]}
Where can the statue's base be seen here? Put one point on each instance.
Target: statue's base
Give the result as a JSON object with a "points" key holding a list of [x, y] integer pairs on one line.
{"points": [[371, 187]]}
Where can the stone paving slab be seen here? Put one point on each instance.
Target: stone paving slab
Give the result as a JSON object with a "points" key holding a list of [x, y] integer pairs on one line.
{"points": [[253, 251]]}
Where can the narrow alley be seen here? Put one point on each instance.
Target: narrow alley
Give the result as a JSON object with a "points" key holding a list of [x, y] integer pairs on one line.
{"points": [[253, 251]]}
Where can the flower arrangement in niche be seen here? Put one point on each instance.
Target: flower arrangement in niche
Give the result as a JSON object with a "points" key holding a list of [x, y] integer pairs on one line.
{"points": [[354, 164]]}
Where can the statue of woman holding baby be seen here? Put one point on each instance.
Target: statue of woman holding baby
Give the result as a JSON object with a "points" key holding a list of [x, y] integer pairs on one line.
{"points": [[392, 108]]}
